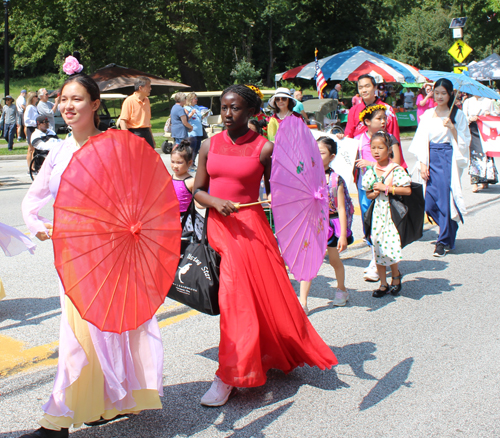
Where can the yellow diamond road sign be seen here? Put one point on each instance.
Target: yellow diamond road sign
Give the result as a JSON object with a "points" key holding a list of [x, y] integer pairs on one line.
{"points": [[459, 69], [460, 50]]}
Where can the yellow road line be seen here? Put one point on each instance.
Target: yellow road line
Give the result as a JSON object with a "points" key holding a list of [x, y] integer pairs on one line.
{"points": [[177, 318], [16, 358]]}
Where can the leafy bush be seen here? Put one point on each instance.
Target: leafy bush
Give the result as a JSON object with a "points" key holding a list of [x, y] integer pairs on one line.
{"points": [[245, 73]]}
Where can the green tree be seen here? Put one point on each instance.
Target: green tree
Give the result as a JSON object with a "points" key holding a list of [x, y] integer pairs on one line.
{"points": [[422, 38]]}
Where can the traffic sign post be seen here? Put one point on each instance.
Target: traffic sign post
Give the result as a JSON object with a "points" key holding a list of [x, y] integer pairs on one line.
{"points": [[460, 69]]}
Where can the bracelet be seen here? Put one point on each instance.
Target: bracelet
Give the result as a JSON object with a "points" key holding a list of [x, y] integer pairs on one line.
{"points": [[198, 190], [386, 190], [393, 190]]}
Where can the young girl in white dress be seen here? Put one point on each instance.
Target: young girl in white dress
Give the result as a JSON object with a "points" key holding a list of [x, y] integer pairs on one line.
{"points": [[379, 181]]}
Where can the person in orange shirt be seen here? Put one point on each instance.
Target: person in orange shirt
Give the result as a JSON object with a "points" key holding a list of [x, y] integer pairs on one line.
{"points": [[136, 111]]}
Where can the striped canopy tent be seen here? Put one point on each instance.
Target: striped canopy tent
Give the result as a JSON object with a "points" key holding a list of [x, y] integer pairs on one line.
{"points": [[355, 62]]}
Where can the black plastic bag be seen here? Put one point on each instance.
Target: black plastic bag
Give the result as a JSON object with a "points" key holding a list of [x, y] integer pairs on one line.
{"points": [[407, 213], [196, 282]]}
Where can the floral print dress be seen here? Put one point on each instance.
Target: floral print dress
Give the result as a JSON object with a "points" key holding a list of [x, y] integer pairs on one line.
{"points": [[384, 234]]}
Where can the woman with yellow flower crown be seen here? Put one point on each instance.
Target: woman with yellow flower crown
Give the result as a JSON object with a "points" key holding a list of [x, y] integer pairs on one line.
{"points": [[258, 122], [375, 119]]}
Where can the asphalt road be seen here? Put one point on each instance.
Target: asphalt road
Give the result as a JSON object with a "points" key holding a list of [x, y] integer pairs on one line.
{"points": [[423, 364]]}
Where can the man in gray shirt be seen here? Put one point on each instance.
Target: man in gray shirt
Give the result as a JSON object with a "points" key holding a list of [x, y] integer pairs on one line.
{"points": [[46, 108], [8, 120]]}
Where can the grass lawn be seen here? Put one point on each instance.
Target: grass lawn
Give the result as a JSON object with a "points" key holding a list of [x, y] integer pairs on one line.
{"points": [[160, 105], [18, 150], [32, 84], [407, 131]]}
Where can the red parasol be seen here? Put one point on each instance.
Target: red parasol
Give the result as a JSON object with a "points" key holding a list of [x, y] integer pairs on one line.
{"points": [[117, 231]]}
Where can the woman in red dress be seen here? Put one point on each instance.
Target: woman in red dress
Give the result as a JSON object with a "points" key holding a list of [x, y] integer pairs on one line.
{"points": [[262, 324]]}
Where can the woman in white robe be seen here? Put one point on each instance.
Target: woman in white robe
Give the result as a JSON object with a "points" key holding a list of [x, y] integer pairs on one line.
{"points": [[441, 146], [100, 375]]}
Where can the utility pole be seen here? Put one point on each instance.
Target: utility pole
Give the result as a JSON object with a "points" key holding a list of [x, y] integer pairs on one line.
{"points": [[6, 45]]}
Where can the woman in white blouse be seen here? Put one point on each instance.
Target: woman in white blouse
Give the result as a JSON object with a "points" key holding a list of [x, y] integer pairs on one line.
{"points": [[441, 145], [482, 169], [30, 116]]}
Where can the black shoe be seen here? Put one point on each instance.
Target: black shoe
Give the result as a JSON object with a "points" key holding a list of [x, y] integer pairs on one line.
{"points": [[381, 291], [396, 288], [439, 251], [47, 433], [104, 421]]}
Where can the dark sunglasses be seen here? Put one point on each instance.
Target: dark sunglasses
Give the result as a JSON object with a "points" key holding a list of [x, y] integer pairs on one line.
{"points": [[281, 99]]}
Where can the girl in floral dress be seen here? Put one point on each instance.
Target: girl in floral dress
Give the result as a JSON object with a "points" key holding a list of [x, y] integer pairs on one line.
{"points": [[380, 180]]}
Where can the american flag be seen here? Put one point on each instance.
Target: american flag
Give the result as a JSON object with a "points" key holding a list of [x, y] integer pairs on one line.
{"points": [[320, 79]]}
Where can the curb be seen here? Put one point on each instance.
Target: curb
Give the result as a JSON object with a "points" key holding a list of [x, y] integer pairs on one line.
{"points": [[12, 157], [23, 157]]}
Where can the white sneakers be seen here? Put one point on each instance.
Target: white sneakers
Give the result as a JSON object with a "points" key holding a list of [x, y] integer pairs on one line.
{"points": [[371, 273], [306, 309], [341, 298], [218, 394]]}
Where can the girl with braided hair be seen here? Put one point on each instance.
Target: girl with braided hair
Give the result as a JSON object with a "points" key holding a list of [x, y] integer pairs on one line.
{"points": [[262, 324]]}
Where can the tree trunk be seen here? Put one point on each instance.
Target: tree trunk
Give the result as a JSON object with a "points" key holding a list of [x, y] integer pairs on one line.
{"points": [[189, 74], [269, 79]]}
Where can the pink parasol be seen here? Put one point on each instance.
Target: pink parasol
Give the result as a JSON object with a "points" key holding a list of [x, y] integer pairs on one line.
{"points": [[299, 199]]}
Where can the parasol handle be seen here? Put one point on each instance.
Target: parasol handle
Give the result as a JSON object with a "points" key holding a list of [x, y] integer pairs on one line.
{"points": [[238, 205], [454, 100]]}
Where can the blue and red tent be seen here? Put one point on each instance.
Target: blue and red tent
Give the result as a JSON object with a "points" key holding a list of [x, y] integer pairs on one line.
{"points": [[356, 62]]}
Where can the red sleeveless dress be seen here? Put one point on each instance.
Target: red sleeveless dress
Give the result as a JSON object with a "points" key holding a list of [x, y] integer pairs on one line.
{"points": [[262, 324]]}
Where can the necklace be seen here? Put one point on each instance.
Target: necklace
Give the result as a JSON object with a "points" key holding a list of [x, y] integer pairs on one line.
{"points": [[284, 117]]}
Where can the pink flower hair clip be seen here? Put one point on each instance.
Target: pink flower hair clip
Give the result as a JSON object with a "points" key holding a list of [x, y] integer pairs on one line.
{"points": [[71, 66]]}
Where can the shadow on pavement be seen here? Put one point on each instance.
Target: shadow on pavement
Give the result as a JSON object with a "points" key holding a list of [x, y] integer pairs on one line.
{"points": [[15, 434], [388, 384], [425, 265], [355, 355], [25, 311], [476, 246], [182, 414], [414, 289]]}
